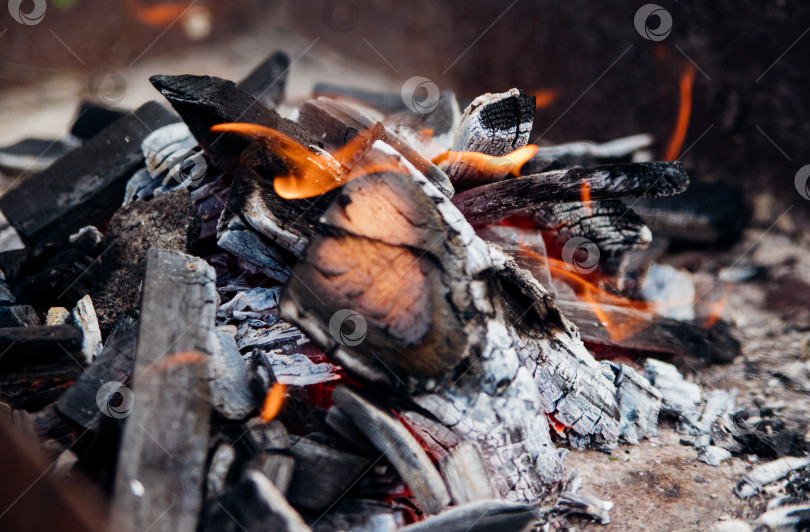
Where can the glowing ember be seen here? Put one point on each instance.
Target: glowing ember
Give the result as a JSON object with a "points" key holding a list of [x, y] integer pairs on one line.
{"points": [[684, 111], [511, 163], [545, 97], [716, 308], [586, 198], [180, 358], [273, 402], [161, 14]]}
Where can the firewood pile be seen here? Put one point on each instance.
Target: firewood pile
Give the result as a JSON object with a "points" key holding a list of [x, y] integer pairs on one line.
{"points": [[379, 312]]}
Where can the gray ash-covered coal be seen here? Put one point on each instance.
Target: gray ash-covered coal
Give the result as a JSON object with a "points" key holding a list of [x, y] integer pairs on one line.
{"points": [[363, 316]]}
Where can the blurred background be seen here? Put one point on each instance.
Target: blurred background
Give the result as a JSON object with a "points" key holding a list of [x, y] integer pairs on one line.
{"points": [[736, 71]]}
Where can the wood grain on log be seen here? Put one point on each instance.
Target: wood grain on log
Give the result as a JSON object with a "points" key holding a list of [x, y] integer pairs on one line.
{"points": [[159, 481]]}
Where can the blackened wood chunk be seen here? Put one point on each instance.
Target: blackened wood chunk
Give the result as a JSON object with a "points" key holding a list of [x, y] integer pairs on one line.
{"points": [[388, 102], [18, 316], [159, 477], [496, 124], [168, 222], [86, 186], [289, 224], [268, 80], [253, 505], [205, 101], [490, 203], [391, 438], [27, 347], [220, 470], [481, 516], [278, 468], [322, 474], [114, 364], [229, 378]]}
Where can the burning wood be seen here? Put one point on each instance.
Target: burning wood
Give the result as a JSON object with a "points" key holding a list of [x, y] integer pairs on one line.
{"points": [[335, 248]]}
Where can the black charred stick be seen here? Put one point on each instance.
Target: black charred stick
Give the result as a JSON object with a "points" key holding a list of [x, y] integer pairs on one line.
{"points": [[85, 186], [268, 80], [490, 203]]}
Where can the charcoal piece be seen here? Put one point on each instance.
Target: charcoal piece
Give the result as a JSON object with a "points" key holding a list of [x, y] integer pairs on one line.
{"points": [[30, 156], [6, 297], [388, 102], [289, 224], [250, 303], [219, 470], [229, 378], [253, 505], [586, 153], [18, 316], [25, 348], [92, 118], [479, 516], [268, 80], [653, 334], [169, 222], [159, 479], [58, 316], [705, 214], [680, 397], [753, 482], [340, 423], [361, 515], [113, 364], [466, 474], [496, 124], [278, 468], [322, 474], [639, 404], [587, 505], [492, 202], [270, 436], [205, 101], [236, 237], [337, 123], [85, 186], [392, 439]]}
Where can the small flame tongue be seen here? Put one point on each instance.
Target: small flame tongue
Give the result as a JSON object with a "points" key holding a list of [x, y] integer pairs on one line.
{"points": [[511, 163]]}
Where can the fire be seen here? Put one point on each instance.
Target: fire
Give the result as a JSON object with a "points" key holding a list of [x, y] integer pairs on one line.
{"points": [[597, 299], [586, 198], [545, 97], [161, 14], [310, 173], [684, 112], [180, 358], [273, 402], [511, 163], [716, 308]]}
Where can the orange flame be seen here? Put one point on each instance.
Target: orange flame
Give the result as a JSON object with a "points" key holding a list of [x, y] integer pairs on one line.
{"points": [[586, 198], [716, 308], [310, 173], [684, 112], [273, 402], [545, 97], [511, 163], [161, 14]]}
